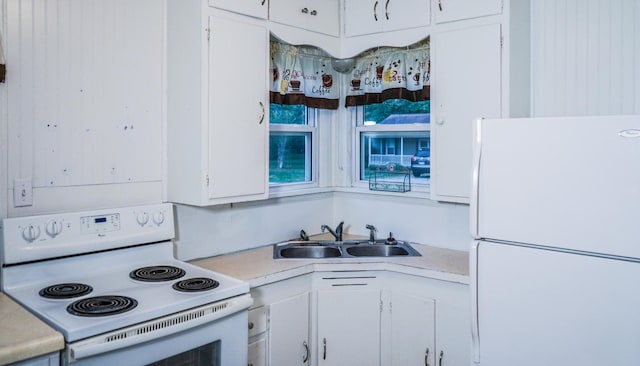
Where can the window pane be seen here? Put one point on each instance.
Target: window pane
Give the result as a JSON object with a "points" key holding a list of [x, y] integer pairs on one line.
{"points": [[288, 114], [397, 111], [289, 157], [406, 152]]}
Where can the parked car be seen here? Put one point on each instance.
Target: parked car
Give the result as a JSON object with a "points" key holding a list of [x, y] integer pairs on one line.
{"points": [[421, 163]]}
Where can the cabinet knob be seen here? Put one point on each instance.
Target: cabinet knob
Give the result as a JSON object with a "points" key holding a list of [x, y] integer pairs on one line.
{"points": [[250, 325], [440, 122], [314, 12], [305, 10]]}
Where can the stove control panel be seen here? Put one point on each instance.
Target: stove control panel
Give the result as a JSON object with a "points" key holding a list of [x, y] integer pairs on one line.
{"points": [[48, 236]]}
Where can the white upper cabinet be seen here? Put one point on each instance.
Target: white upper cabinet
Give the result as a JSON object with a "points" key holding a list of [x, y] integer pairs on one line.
{"points": [[373, 16], [254, 8], [466, 83], [322, 16], [451, 10], [217, 105]]}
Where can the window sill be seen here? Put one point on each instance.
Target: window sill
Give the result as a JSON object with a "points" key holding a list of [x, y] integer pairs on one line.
{"points": [[290, 191], [420, 194]]}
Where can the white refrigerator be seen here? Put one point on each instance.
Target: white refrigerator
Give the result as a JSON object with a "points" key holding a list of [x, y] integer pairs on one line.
{"points": [[555, 264]]}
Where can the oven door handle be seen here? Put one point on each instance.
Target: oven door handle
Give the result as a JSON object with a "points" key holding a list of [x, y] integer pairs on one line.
{"points": [[157, 328]]}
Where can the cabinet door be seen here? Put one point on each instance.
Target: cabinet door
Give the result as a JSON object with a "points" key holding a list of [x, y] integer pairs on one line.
{"points": [[466, 83], [362, 17], [450, 10], [412, 330], [289, 331], [453, 336], [238, 109], [318, 16], [348, 327], [254, 8], [404, 14]]}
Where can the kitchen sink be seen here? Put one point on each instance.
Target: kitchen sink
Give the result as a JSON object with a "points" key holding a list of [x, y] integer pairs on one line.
{"points": [[297, 249], [376, 250], [309, 252]]}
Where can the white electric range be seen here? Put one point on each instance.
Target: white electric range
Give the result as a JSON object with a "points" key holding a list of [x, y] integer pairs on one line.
{"points": [[108, 281]]}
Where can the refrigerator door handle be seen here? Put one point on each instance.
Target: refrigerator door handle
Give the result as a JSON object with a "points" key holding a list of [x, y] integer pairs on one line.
{"points": [[475, 176], [473, 284]]}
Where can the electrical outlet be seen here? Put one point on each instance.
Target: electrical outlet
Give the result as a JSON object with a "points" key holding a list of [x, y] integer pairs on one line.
{"points": [[22, 192]]}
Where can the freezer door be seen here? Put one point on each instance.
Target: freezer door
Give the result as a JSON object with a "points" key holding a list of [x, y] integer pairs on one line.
{"points": [[540, 307], [570, 183]]}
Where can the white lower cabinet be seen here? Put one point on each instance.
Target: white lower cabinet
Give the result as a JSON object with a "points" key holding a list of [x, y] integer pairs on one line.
{"points": [[348, 326], [365, 318], [289, 331], [412, 330]]}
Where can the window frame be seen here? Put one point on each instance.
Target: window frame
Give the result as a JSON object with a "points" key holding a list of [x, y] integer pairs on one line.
{"points": [[311, 127], [357, 118]]}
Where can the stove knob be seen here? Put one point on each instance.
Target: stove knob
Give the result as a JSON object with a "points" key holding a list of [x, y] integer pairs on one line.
{"points": [[158, 218], [142, 218], [53, 228], [31, 233]]}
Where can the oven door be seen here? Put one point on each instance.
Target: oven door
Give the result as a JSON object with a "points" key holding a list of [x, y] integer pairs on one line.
{"points": [[215, 334]]}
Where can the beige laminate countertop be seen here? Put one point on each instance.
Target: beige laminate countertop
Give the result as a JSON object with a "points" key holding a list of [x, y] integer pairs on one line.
{"points": [[258, 267], [22, 335]]}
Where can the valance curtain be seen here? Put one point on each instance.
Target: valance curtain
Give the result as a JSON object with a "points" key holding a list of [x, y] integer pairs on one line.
{"points": [[303, 75], [390, 73]]}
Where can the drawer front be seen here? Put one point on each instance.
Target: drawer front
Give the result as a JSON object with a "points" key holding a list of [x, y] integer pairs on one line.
{"points": [[257, 321], [322, 16]]}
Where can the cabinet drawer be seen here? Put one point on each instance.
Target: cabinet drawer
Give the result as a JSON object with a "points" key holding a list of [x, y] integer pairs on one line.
{"points": [[257, 353], [322, 16], [257, 321]]}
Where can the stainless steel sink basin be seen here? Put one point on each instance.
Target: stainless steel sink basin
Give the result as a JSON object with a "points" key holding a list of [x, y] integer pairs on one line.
{"points": [[309, 252], [376, 250], [296, 249]]}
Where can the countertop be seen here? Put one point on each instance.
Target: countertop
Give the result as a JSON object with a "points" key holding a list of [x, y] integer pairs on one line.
{"points": [[24, 336], [258, 267]]}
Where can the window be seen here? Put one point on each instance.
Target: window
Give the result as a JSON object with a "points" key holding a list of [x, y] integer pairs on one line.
{"points": [[291, 144], [394, 136]]}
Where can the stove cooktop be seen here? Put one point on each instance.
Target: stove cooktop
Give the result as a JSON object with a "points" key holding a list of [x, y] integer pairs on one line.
{"points": [[99, 281]]}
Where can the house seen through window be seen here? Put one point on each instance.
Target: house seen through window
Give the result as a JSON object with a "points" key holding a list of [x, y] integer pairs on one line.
{"points": [[394, 137]]}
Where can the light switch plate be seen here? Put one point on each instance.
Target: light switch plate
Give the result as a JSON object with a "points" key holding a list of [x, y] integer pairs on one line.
{"points": [[22, 192]]}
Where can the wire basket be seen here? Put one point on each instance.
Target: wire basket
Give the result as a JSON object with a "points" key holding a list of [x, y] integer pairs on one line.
{"points": [[390, 181]]}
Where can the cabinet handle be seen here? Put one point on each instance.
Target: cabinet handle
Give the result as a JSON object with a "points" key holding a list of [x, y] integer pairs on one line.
{"points": [[386, 9], [324, 349], [426, 357], [263, 113], [440, 359], [250, 325], [440, 5], [305, 10], [375, 11], [249, 364], [314, 12], [263, 1], [306, 348], [440, 122]]}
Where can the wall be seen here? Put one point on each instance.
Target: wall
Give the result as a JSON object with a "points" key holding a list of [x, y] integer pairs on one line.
{"points": [[589, 69], [85, 119], [585, 57]]}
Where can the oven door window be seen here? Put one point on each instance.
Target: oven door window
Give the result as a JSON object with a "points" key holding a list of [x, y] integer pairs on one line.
{"points": [[207, 355]]}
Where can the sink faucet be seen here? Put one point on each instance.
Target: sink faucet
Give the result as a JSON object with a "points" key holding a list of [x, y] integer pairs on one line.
{"points": [[372, 233], [336, 234]]}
